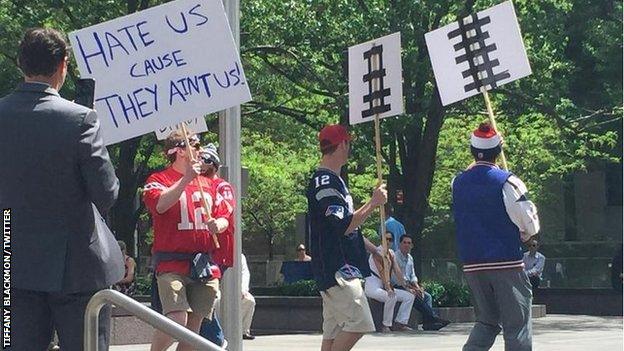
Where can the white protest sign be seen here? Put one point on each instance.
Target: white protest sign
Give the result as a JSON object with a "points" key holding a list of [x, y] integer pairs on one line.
{"points": [[484, 50], [195, 125], [379, 60], [159, 66]]}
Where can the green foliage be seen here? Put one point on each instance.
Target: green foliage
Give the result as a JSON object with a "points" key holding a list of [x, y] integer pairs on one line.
{"points": [[277, 178], [448, 293], [143, 284], [563, 118], [300, 288]]}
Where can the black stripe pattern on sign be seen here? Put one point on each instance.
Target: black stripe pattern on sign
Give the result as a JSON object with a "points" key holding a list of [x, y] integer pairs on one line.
{"points": [[477, 54], [376, 95]]}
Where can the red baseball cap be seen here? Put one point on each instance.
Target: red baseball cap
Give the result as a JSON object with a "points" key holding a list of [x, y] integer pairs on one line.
{"points": [[332, 135]]}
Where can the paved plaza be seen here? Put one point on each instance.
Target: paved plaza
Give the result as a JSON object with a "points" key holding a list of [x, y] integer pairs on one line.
{"points": [[551, 333]]}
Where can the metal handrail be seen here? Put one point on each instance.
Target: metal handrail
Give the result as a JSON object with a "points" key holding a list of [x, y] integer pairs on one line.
{"points": [[145, 314]]}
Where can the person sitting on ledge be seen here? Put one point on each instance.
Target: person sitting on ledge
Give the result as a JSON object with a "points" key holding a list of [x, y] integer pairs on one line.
{"points": [[379, 288], [301, 254], [423, 302]]}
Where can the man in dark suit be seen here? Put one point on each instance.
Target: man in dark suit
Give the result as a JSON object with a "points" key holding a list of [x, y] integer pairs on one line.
{"points": [[53, 167]]}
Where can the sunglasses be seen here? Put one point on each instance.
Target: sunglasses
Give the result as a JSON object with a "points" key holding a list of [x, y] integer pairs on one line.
{"points": [[194, 143]]}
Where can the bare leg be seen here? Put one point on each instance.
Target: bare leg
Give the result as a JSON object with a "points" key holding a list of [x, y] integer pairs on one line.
{"points": [[193, 324], [162, 341], [345, 341], [326, 345]]}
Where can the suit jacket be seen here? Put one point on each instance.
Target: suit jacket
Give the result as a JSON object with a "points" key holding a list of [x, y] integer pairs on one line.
{"points": [[53, 166]]}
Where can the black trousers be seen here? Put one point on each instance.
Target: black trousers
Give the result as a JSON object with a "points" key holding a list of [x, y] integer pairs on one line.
{"points": [[36, 314], [535, 282]]}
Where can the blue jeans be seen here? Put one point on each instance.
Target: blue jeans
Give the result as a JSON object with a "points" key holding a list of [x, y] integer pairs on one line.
{"points": [[425, 307], [211, 330]]}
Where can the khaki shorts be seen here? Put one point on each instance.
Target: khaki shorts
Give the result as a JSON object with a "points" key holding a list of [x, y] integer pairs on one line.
{"points": [[181, 293], [345, 308]]}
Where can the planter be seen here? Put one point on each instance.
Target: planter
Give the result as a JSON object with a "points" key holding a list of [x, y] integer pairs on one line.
{"points": [[288, 314], [593, 302]]}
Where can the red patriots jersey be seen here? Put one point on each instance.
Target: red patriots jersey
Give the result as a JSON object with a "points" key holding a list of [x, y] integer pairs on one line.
{"points": [[224, 256], [182, 227]]}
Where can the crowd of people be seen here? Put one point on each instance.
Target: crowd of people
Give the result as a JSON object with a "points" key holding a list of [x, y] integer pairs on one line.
{"points": [[493, 217], [64, 253]]}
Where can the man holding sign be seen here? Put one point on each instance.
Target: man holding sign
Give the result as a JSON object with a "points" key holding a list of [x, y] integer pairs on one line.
{"points": [[493, 217], [187, 279], [338, 247]]}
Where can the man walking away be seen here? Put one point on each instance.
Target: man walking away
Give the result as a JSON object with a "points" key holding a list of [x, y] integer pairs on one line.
{"points": [[493, 216]]}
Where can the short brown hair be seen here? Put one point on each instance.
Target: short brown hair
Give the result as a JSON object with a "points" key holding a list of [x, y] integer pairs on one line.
{"points": [[174, 140], [41, 51], [328, 149]]}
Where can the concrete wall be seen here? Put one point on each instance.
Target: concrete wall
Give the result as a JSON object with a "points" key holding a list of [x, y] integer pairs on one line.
{"points": [[594, 302]]}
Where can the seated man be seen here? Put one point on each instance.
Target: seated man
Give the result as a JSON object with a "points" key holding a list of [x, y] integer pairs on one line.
{"points": [[534, 263], [301, 254], [423, 302], [378, 288]]}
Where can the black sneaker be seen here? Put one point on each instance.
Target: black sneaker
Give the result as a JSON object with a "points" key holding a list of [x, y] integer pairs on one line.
{"points": [[247, 336], [438, 324]]}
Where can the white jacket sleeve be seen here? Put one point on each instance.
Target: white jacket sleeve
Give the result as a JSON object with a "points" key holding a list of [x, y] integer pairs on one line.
{"points": [[520, 209], [245, 274]]}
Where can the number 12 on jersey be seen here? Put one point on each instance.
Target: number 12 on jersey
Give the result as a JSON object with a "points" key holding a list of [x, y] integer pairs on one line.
{"points": [[198, 213], [322, 180]]}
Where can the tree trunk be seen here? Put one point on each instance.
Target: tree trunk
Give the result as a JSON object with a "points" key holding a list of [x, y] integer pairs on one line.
{"points": [[417, 178], [124, 213], [271, 237]]}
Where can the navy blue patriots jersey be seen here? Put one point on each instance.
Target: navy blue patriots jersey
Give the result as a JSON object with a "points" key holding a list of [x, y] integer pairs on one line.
{"points": [[330, 211]]}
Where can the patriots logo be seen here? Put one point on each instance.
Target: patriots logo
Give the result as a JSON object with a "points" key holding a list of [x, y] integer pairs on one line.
{"points": [[335, 210]]}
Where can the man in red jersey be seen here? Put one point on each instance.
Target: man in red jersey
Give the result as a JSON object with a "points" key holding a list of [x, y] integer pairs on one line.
{"points": [[224, 256], [182, 229]]}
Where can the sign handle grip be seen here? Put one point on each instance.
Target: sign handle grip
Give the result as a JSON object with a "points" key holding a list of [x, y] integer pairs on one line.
{"points": [[382, 212], [199, 185], [382, 215], [488, 105]]}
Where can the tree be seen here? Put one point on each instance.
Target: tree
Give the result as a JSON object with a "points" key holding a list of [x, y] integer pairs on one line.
{"points": [[294, 57], [302, 43], [278, 176]]}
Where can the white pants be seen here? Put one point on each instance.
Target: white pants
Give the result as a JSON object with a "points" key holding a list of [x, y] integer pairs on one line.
{"points": [[248, 306], [374, 289]]}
